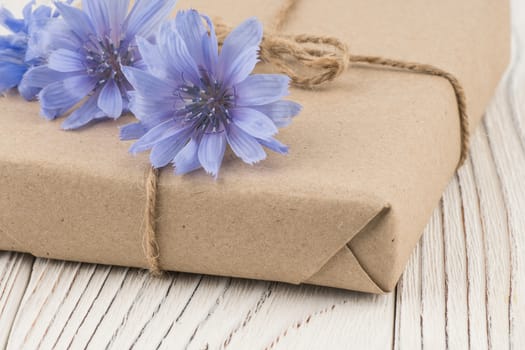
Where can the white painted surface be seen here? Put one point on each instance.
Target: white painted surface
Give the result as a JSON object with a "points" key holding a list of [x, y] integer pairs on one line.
{"points": [[464, 286]]}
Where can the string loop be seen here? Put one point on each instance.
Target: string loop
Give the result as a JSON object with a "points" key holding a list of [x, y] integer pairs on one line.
{"points": [[312, 61]]}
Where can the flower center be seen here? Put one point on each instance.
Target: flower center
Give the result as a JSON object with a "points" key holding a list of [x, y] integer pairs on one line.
{"points": [[206, 106], [105, 60]]}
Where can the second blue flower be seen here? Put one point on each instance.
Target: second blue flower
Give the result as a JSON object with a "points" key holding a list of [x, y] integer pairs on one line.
{"points": [[194, 101]]}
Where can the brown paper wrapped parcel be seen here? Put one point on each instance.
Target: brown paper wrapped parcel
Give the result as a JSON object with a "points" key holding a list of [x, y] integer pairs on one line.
{"points": [[370, 156]]}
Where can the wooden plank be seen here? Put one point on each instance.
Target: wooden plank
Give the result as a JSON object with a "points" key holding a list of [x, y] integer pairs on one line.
{"points": [[516, 97], [87, 306], [408, 305], [351, 321], [475, 258], [40, 304], [15, 272], [508, 147], [433, 295], [482, 239], [496, 250], [455, 260]]}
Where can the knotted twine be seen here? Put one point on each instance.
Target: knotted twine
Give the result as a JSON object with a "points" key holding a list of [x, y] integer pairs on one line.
{"points": [[326, 58]]}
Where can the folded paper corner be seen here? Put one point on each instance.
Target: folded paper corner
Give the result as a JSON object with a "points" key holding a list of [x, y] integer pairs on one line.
{"points": [[342, 269]]}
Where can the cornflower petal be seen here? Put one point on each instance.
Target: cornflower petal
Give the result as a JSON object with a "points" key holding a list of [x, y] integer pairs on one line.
{"points": [[165, 151], [146, 15], [261, 89], [58, 35], [147, 84], [37, 18], [241, 66], [63, 60], [27, 11], [158, 110], [97, 11], [182, 64], [152, 57], [26, 91], [8, 21], [274, 145], [83, 115], [78, 20], [254, 122], [191, 29], [110, 99], [66, 93], [157, 134], [245, 146], [41, 76], [210, 48], [117, 10], [11, 74], [211, 152], [187, 160], [132, 131], [280, 112], [246, 37]]}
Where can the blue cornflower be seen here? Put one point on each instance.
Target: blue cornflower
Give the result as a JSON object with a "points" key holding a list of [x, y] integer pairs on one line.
{"points": [[193, 101], [20, 50], [88, 49]]}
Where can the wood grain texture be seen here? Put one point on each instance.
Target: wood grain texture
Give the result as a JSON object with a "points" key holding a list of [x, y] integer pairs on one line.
{"points": [[464, 286], [70, 305], [15, 271]]}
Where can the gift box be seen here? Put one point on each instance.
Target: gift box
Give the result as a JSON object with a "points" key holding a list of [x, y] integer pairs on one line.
{"points": [[370, 156]]}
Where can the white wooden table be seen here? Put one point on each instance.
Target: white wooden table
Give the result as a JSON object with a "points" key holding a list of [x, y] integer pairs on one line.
{"points": [[464, 286]]}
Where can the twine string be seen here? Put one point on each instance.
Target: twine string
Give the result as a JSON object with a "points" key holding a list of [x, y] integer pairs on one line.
{"points": [[310, 61], [150, 243], [283, 14]]}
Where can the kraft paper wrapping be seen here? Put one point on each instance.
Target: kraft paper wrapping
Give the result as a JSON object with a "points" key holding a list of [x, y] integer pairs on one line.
{"points": [[370, 156]]}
